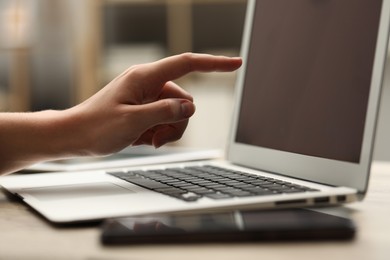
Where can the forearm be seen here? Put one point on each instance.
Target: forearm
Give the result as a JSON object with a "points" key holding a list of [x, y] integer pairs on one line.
{"points": [[27, 138]]}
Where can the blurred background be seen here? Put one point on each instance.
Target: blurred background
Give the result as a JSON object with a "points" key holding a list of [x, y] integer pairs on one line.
{"points": [[56, 53]]}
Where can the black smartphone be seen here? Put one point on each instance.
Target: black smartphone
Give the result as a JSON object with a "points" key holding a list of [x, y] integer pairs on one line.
{"points": [[233, 226]]}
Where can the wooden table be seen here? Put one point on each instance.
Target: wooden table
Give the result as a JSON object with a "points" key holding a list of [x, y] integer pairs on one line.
{"points": [[26, 235]]}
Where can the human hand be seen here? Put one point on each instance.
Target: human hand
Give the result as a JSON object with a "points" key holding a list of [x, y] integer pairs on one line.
{"points": [[142, 105]]}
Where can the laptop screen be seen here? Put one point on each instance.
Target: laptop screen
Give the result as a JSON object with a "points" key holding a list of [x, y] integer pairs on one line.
{"points": [[308, 76]]}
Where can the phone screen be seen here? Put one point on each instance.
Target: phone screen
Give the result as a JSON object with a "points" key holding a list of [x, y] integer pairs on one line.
{"points": [[286, 224]]}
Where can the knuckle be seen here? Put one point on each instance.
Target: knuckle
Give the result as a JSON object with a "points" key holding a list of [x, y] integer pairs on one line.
{"points": [[135, 72], [187, 55], [188, 58]]}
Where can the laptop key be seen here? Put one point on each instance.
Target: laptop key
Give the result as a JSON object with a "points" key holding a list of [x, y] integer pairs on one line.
{"points": [[218, 196], [203, 191], [239, 193], [259, 191], [190, 196], [292, 191], [146, 183], [171, 191]]}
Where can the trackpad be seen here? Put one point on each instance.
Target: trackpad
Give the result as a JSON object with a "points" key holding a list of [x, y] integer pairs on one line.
{"points": [[76, 191]]}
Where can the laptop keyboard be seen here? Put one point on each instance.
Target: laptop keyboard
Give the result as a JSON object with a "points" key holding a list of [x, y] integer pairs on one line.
{"points": [[193, 183]]}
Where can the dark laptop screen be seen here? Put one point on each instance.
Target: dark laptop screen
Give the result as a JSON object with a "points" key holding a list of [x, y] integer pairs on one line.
{"points": [[308, 76]]}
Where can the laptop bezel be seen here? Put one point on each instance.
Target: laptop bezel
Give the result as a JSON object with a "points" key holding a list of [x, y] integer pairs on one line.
{"points": [[320, 170]]}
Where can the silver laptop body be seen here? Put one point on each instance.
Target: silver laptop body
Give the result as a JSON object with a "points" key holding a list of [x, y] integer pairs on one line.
{"points": [[307, 99]]}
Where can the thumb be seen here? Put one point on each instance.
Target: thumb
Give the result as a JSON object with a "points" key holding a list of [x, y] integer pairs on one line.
{"points": [[164, 111]]}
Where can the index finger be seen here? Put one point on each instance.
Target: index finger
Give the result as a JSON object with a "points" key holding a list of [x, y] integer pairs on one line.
{"points": [[174, 67]]}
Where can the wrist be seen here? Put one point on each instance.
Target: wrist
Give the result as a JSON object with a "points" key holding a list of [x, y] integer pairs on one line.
{"points": [[28, 138], [66, 136], [48, 135]]}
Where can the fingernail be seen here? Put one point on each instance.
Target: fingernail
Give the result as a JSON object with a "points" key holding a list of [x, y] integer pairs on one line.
{"points": [[187, 109]]}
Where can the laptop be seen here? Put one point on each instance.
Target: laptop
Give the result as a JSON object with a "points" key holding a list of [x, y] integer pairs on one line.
{"points": [[302, 133]]}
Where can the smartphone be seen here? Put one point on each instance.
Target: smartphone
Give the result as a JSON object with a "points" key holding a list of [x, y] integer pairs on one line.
{"points": [[232, 226]]}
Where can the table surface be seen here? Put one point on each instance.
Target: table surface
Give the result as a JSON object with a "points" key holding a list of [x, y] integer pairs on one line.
{"points": [[26, 235]]}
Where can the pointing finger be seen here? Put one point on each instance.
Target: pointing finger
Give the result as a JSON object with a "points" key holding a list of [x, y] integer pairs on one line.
{"points": [[174, 67]]}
